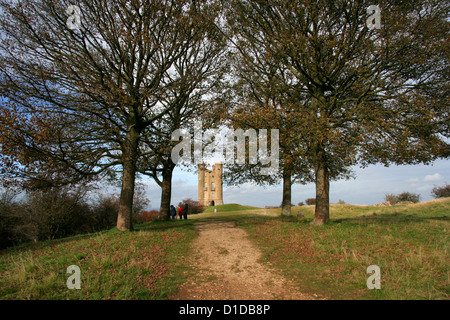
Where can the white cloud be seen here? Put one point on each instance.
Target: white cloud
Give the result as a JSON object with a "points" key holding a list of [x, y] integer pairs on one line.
{"points": [[413, 180], [433, 178]]}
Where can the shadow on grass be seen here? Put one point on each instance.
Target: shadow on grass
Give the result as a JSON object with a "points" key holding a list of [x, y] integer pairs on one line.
{"points": [[239, 219], [158, 225], [155, 226], [390, 218], [162, 225], [43, 244], [367, 219]]}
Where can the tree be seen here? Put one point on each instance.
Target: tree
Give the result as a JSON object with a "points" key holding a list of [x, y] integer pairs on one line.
{"points": [[81, 96], [260, 98], [268, 115], [441, 192], [365, 95], [196, 74]]}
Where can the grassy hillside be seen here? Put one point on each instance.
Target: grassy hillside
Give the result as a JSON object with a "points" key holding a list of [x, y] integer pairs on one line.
{"points": [[409, 243], [229, 207], [143, 264]]}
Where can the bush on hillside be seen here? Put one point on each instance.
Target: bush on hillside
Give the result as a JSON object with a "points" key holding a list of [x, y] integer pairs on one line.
{"points": [[407, 196], [9, 220], [104, 211], [57, 213], [310, 201], [146, 216], [194, 206], [441, 192], [391, 198], [402, 197], [43, 215]]}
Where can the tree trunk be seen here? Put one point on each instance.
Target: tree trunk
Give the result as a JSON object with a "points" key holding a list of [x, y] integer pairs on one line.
{"points": [[322, 211], [286, 202], [166, 194], [129, 158]]}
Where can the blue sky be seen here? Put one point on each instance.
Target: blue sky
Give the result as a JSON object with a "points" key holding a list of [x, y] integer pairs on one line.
{"points": [[369, 187]]}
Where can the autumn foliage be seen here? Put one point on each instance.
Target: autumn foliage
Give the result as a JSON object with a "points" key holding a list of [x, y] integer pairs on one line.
{"points": [[57, 213], [194, 206], [102, 101], [146, 216], [441, 192]]}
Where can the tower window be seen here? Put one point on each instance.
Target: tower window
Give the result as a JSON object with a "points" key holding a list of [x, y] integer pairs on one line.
{"points": [[213, 187]]}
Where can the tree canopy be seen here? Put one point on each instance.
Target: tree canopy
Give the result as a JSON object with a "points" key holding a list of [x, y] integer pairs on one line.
{"points": [[95, 89], [356, 94], [83, 95]]}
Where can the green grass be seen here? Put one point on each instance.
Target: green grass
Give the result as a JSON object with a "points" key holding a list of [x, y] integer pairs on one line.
{"points": [[229, 207], [409, 244], [143, 264]]}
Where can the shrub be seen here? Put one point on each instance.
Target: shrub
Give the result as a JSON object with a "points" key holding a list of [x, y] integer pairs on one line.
{"points": [[106, 209], [300, 204], [405, 196], [194, 206], [391, 198], [146, 216], [9, 220], [139, 200], [441, 192], [105, 212], [310, 201], [56, 213]]}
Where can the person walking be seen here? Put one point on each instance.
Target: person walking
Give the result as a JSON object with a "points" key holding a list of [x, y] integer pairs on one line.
{"points": [[180, 213], [173, 212], [185, 211]]}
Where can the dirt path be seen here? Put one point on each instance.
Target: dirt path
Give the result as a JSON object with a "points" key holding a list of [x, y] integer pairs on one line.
{"points": [[228, 268]]}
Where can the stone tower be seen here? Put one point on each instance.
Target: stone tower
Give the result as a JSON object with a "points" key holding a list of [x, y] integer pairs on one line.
{"points": [[210, 185]]}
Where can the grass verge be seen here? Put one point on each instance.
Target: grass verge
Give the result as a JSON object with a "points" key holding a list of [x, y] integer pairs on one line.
{"points": [[143, 264], [408, 243]]}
